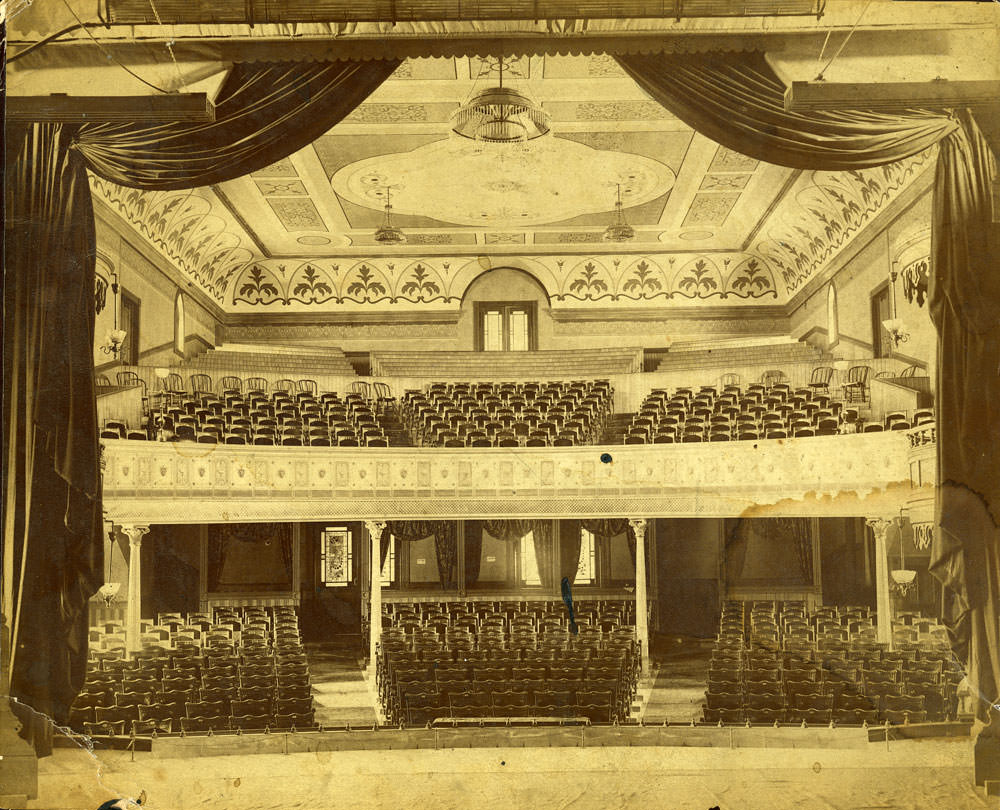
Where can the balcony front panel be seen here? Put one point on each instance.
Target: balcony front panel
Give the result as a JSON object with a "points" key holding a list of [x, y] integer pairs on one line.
{"points": [[860, 474]]}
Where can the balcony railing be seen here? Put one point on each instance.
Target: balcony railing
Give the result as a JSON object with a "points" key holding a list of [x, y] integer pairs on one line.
{"points": [[859, 474]]}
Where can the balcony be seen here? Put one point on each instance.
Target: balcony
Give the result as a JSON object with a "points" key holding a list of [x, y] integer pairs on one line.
{"points": [[858, 474]]}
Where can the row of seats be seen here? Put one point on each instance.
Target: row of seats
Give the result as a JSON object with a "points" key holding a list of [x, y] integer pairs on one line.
{"points": [[259, 418], [241, 669], [774, 663], [532, 414], [760, 411], [540, 667]]}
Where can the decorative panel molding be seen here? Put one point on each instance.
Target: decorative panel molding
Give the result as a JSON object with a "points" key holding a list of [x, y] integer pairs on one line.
{"points": [[862, 474]]}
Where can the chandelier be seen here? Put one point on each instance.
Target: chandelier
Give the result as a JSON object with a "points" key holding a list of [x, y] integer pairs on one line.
{"points": [[619, 230], [387, 233], [500, 115]]}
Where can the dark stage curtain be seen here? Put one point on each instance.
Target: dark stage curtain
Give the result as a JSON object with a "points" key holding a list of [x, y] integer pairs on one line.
{"points": [[738, 101], [264, 113], [53, 534], [510, 531]]}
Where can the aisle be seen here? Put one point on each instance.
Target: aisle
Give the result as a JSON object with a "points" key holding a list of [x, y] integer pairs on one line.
{"points": [[340, 691], [681, 679]]}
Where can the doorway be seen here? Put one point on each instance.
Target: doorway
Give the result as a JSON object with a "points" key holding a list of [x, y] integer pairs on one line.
{"points": [[506, 326]]}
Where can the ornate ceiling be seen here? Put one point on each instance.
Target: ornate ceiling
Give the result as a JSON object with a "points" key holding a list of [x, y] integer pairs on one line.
{"points": [[301, 230]]}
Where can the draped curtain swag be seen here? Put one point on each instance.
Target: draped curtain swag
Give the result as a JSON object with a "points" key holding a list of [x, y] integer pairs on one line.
{"points": [[798, 533], [606, 528], [223, 536], [569, 550], [445, 534], [473, 551], [542, 536], [53, 543], [738, 101]]}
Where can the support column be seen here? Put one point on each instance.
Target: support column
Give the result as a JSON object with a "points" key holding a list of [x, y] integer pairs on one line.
{"points": [[883, 605], [641, 599], [133, 607], [374, 529]]}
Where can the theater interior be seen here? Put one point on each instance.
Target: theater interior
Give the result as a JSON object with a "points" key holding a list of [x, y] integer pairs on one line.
{"points": [[519, 403]]}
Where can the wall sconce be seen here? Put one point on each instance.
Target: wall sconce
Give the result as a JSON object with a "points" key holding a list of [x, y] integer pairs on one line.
{"points": [[113, 341], [897, 330], [115, 337]]}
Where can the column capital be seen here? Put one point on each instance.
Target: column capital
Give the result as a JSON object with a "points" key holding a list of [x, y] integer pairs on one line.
{"points": [[879, 525], [638, 526], [134, 533], [375, 528]]}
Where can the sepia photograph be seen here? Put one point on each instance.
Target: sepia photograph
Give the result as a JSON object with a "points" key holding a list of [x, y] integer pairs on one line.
{"points": [[522, 404]]}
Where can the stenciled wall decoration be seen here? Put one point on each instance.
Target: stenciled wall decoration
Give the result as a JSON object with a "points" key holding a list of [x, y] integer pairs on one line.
{"points": [[184, 228], [569, 280], [808, 228]]}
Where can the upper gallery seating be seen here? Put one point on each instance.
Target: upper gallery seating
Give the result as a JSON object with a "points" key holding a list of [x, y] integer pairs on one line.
{"points": [[508, 414], [680, 358], [289, 361], [776, 662], [461, 662], [769, 409], [551, 364], [293, 414], [243, 670]]}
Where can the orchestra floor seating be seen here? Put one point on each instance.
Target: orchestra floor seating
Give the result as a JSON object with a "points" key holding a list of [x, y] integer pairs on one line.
{"points": [[549, 364], [243, 670], [682, 358], [776, 662], [525, 661], [769, 409], [485, 414]]}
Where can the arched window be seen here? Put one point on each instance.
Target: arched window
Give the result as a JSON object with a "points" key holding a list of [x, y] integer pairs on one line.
{"points": [[179, 324], [832, 317]]}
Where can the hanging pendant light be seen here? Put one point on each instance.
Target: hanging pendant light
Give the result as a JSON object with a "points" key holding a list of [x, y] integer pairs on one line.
{"points": [[619, 230], [387, 233], [500, 115]]}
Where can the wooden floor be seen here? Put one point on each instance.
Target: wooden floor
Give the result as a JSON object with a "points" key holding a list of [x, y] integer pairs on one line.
{"points": [[926, 775]]}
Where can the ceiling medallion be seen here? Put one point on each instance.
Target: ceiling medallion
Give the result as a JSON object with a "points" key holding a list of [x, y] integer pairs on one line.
{"points": [[313, 240]]}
